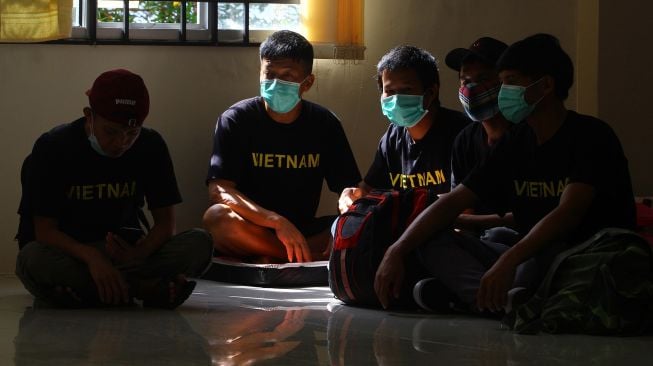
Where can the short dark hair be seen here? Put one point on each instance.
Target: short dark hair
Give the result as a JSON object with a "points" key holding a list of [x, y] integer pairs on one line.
{"points": [[288, 44], [409, 58], [537, 56]]}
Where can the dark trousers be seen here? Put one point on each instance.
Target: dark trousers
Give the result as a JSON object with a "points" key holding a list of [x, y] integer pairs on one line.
{"points": [[43, 268], [460, 260]]}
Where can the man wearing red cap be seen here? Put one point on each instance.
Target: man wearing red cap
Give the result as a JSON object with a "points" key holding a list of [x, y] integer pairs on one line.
{"points": [[84, 186]]}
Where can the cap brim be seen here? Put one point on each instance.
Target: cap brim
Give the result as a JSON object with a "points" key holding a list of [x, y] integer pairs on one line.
{"points": [[455, 57]]}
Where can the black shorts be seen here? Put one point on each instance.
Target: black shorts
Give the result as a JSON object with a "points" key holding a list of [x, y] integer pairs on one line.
{"points": [[317, 225]]}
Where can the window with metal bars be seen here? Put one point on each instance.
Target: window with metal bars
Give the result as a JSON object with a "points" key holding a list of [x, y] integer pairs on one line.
{"points": [[229, 22]]}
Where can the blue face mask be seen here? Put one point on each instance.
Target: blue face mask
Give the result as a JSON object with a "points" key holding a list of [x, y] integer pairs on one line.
{"points": [[282, 96], [404, 110], [512, 102], [95, 144]]}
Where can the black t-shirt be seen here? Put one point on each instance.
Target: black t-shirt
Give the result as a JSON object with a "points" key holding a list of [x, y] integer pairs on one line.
{"points": [[469, 150], [402, 163], [528, 179], [90, 194], [280, 166]]}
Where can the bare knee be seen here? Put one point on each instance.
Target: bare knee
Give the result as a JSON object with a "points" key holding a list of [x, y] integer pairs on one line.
{"points": [[217, 215], [223, 224]]}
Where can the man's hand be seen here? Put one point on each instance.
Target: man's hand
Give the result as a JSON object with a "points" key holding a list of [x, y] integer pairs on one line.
{"points": [[121, 252], [347, 197], [111, 286], [389, 277], [293, 240], [493, 292]]}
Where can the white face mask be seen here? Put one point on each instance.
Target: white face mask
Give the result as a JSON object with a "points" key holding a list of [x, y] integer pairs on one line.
{"points": [[95, 144]]}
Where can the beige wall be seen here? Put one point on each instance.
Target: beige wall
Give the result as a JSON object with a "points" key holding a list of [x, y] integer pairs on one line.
{"points": [[624, 83], [43, 85]]}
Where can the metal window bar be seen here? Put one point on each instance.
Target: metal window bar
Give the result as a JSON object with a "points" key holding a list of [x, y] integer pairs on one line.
{"points": [[80, 12], [182, 23], [125, 20]]}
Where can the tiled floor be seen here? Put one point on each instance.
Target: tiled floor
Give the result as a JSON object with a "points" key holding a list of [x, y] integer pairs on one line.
{"points": [[233, 325]]}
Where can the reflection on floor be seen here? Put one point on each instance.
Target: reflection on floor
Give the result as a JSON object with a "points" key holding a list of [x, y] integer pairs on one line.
{"points": [[224, 324]]}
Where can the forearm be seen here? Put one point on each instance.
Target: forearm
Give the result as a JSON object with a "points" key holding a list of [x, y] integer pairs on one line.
{"points": [[158, 234], [163, 229], [242, 205], [554, 227], [438, 216], [483, 222], [52, 236]]}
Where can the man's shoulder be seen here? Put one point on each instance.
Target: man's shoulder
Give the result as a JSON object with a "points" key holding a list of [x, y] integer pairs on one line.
{"points": [[244, 110], [587, 123], [316, 111], [62, 135], [590, 132]]}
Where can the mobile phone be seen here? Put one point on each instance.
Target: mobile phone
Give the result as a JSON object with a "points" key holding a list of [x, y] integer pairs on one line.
{"points": [[130, 234]]}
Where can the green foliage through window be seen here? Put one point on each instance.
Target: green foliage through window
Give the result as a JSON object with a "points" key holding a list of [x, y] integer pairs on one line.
{"points": [[151, 12]]}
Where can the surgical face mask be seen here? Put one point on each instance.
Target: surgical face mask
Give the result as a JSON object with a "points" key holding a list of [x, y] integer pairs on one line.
{"points": [[512, 102], [404, 110], [95, 144], [282, 96], [479, 100]]}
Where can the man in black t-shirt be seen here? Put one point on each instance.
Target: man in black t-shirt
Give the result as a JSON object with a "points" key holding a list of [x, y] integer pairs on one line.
{"points": [[415, 151], [563, 175], [478, 94], [84, 186], [271, 155]]}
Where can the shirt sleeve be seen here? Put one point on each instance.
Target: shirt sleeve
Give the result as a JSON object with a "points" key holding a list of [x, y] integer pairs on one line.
{"points": [[597, 158], [341, 170], [44, 181], [161, 189], [228, 155], [378, 175], [457, 160]]}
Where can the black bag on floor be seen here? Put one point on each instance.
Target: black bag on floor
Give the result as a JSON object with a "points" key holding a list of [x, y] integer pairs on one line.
{"points": [[362, 236]]}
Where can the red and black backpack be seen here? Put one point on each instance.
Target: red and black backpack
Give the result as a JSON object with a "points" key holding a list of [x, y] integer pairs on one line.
{"points": [[363, 234]]}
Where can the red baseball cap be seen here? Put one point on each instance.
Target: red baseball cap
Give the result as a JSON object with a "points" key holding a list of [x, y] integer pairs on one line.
{"points": [[120, 96]]}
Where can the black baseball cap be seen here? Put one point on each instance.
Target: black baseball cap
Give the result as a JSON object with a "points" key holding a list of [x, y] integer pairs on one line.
{"points": [[485, 49]]}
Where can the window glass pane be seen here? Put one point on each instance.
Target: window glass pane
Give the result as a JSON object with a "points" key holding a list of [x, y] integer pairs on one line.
{"points": [[274, 16], [162, 12], [193, 12], [112, 10], [76, 21], [231, 16]]}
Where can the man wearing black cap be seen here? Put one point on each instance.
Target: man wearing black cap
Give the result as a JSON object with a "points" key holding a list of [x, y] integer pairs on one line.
{"points": [[84, 185], [562, 174], [478, 94]]}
